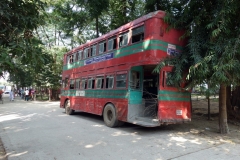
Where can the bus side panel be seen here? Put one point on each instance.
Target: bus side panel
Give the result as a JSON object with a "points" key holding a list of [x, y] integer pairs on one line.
{"points": [[62, 100], [156, 28], [122, 109], [120, 105], [96, 105], [80, 104], [173, 112]]}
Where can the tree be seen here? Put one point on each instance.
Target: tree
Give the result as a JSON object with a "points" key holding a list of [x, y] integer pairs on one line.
{"points": [[95, 9], [18, 20], [72, 21], [213, 48], [124, 11]]}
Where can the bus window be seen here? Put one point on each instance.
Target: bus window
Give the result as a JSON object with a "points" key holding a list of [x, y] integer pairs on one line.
{"points": [[112, 43], [109, 82], [167, 82], [91, 82], [70, 58], [65, 82], [134, 80], [102, 47], [123, 39], [137, 34], [78, 83], [85, 53], [121, 81], [79, 55], [93, 50], [100, 82], [71, 84], [76, 57], [84, 84]]}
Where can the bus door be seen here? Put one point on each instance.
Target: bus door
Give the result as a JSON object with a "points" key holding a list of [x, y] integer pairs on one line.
{"points": [[135, 92]]}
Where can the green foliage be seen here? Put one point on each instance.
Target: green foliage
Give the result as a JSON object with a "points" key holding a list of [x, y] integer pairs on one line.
{"points": [[71, 20], [18, 20], [50, 73], [123, 11], [213, 46]]}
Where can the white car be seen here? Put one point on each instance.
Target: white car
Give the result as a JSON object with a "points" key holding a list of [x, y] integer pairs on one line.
{"points": [[6, 92]]}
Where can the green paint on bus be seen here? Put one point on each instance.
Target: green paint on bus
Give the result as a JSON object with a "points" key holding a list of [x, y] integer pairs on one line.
{"points": [[121, 94], [128, 50], [164, 95]]}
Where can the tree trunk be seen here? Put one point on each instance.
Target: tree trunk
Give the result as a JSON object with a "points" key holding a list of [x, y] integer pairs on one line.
{"points": [[49, 94], [229, 105], [209, 113], [208, 93], [55, 94], [223, 126], [97, 28], [41, 93], [124, 11]]}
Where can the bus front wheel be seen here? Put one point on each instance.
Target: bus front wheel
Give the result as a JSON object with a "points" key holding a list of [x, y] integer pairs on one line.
{"points": [[109, 116], [68, 110]]}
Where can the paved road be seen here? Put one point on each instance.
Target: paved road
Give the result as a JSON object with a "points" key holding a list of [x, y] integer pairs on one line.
{"points": [[42, 131]]}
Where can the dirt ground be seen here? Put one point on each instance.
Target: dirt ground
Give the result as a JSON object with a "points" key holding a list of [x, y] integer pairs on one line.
{"points": [[199, 126]]}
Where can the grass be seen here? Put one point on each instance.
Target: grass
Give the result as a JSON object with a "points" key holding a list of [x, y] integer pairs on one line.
{"points": [[43, 98]]}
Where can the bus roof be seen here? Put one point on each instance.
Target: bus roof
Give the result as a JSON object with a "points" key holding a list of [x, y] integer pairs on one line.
{"points": [[157, 14]]}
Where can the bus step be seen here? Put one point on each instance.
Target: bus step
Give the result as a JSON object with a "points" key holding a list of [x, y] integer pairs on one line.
{"points": [[146, 121]]}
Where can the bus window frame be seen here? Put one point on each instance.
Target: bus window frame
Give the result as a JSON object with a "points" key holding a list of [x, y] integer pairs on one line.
{"points": [[111, 76], [83, 80], [79, 54], [134, 80], [66, 81], [70, 58], [92, 79], [102, 81], [76, 56], [91, 50], [99, 46], [164, 80], [77, 83], [113, 38], [120, 45], [137, 34], [126, 79], [70, 84], [85, 54], [73, 57], [63, 84]]}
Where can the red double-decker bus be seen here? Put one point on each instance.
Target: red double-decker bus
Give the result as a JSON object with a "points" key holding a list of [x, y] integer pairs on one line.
{"points": [[112, 76]]}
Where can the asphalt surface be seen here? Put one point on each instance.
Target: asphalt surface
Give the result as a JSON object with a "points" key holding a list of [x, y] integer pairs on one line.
{"points": [[42, 131]]}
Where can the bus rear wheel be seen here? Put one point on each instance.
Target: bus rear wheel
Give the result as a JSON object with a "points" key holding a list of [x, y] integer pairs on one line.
{"points": [[68, 110], [109, 116]]}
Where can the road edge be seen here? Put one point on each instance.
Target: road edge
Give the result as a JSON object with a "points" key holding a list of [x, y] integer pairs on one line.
{"points": [[3, 155]]}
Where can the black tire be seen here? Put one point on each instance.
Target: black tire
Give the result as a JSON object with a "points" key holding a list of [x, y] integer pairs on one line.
{"points": [[68, 110], [109, 116]]}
